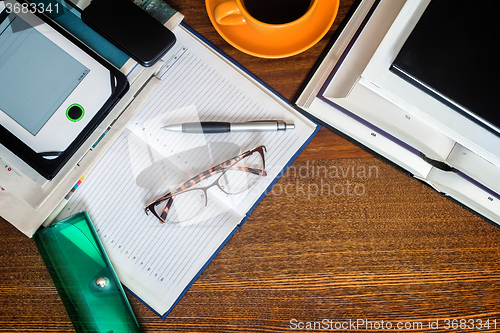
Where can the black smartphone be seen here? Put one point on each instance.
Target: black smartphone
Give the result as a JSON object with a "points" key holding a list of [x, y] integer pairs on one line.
{"points": [[130, 28]]}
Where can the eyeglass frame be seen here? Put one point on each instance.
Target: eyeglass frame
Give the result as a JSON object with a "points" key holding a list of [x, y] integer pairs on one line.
{"points": [[219, 168]]}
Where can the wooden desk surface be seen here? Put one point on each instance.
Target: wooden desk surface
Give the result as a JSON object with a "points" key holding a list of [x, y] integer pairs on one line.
{"points": [[377, 246]]}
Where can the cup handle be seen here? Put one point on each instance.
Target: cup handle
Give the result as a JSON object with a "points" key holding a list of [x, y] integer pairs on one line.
{"points": [[228, 13]]}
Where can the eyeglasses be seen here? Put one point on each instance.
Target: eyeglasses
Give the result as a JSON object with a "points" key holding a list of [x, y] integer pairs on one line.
{"points": [[238, 174]]}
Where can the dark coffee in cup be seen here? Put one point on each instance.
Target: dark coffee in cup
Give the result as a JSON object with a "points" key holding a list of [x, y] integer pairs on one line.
{"points": [[276, 11]]}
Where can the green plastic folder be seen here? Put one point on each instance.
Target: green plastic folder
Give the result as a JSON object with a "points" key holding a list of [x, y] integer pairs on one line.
{"points": [[84, 277]]}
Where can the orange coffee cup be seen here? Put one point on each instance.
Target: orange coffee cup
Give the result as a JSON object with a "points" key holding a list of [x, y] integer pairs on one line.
{"points": [[236, 12]]}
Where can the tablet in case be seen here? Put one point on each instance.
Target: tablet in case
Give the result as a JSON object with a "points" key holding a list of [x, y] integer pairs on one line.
{"points": [[84, 276], [49, 163], [27, 198]]}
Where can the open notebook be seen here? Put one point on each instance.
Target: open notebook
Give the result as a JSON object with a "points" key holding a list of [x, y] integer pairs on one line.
{"points": [[159, 262]]}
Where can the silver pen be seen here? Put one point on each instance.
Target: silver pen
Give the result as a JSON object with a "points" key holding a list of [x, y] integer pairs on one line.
{"points": [[212, 127]]}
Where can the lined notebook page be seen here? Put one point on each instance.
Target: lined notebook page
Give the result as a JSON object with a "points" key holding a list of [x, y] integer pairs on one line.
{"points": [[158, 262]]}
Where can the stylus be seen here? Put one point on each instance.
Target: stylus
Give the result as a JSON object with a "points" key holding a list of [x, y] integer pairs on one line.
{"points": [[212, 127]]}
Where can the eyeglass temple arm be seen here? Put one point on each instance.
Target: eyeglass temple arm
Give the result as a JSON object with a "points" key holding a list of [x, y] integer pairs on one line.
{"points": [[219, 168], [255, 171]]}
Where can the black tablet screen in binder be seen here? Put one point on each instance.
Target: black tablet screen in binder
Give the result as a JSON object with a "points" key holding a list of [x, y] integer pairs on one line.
{"points": [[452, 55]]}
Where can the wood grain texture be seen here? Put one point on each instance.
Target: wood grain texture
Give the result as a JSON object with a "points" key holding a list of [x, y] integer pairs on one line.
{"points": [[342, 236]]}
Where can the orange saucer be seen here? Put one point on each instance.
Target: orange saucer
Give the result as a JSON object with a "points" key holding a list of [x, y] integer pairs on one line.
{"points": [[249, 41]]}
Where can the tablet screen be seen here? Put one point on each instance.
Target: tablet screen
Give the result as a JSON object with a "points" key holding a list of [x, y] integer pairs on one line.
{"points": [[53, 74]]}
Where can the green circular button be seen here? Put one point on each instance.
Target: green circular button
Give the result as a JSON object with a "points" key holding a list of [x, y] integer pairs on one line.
{"points": [[75, 112]]}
